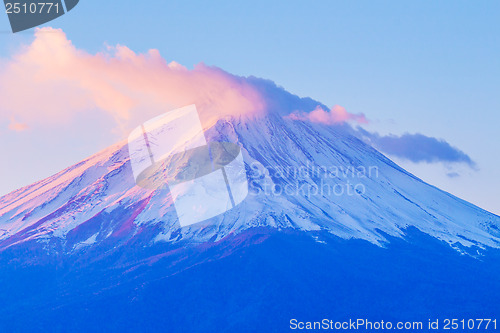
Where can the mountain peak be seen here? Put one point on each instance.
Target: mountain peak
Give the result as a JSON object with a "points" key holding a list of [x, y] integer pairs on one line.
{"points": [[301, 175]]}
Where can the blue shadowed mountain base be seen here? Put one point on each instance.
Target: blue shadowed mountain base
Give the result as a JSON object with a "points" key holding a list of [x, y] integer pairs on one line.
{"points": [[256, 281]]}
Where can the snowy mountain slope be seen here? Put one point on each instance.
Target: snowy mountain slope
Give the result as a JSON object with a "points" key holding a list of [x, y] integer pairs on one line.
{"points": [[303, 176]]}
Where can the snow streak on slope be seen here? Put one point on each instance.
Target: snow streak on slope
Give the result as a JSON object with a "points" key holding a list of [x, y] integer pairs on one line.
{"points": [[97, 199]]}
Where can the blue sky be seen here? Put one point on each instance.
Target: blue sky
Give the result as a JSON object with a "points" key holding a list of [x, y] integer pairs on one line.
{"points": [[429, 67]]}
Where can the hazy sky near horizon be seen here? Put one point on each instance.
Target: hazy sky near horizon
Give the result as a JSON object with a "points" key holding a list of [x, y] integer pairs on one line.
{"points": [[424, 67]]}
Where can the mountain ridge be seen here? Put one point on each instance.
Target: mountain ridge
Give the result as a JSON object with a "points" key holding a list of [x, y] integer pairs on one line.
{"points": [[102, 188]]}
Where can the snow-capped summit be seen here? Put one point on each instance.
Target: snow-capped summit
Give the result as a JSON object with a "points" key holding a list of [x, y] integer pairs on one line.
{"points": [[301, 175]]}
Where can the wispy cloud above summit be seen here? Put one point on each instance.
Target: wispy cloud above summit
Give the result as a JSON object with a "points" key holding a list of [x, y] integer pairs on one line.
{"points": [[417, 148], [337, 114], [51, 81]]}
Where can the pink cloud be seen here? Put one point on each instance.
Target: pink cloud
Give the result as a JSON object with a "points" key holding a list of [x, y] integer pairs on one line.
{"points": [[336, 115], [17, 126], [51, 81]]}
